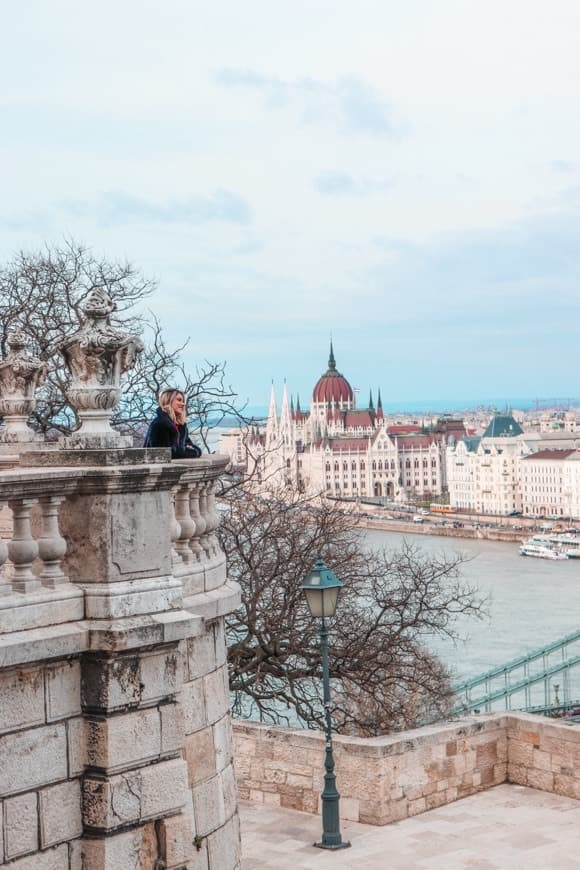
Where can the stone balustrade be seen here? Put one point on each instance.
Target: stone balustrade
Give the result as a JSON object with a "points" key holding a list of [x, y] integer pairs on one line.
{"points": [[115, 733]]}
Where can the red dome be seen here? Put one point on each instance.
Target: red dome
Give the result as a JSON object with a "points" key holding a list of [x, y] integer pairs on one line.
{"points": [[332, 386]]}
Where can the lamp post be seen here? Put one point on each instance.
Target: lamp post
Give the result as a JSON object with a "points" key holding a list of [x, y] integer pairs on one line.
{"points": [[321, 588]]}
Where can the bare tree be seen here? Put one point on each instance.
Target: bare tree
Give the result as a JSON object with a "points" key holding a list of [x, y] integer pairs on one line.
{"points": [[42, 292], [384, 677]]}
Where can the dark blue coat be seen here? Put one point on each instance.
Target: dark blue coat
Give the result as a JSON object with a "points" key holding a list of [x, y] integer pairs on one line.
{"points": [[163, 432]]}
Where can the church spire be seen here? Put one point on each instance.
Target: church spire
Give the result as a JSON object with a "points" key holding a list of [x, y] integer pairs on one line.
{"points": [[272, 424], [380, 414], [331, 359], [285, 424], [371, 406]]}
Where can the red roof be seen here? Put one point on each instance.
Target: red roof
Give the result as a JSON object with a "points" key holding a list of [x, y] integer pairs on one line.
{"points": [[356, 444], [358, 418], [332, 387], [551, 454], [411, 442], [403, 429]]}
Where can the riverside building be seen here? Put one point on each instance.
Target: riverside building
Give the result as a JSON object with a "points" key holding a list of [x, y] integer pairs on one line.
{"points": [[508, 470], [344, 451]]}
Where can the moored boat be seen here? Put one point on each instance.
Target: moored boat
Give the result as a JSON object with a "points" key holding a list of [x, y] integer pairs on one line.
{"points": [[541, 550]]}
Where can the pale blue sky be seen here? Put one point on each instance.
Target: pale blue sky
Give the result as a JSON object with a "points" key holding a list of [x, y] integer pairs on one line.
{"points": [[405, 175]]}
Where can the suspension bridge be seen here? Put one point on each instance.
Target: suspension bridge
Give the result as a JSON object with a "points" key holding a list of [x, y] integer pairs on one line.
{"points": [[546, 680]]}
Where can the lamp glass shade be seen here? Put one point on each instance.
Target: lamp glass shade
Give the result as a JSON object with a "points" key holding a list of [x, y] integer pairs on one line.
{"points": [[321, 588], [322, 602]]}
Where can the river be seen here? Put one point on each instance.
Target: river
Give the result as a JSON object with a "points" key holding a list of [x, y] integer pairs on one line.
{"points": [[531, 601]]}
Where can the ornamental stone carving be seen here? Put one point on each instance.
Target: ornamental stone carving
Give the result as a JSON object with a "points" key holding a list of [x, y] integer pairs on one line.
{"points": [[97, 356], [21, 374]]}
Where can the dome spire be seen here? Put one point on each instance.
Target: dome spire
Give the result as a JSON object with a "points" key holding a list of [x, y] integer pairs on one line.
{"points": [[331, 359]]}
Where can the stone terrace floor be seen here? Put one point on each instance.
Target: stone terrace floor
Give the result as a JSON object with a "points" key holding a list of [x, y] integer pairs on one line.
{"points": [[504, 828]]}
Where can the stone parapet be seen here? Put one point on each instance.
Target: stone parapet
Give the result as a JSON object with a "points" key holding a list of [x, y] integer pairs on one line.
{"points": [[115, 734], [385, 779]]}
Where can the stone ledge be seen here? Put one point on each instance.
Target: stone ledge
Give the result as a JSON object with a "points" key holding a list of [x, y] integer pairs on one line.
{"points": [[217, 602], [20, 611], [39, 644], [131, 597], [377, 747], [142, 631]]}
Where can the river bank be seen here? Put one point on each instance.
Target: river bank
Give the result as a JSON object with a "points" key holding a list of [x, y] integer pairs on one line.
{"points": [[478, 533]]}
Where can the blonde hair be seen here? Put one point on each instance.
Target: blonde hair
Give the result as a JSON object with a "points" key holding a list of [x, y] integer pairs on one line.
{"points": [[165, 400]]}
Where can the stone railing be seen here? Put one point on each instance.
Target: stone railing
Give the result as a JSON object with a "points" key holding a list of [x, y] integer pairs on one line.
{"points": [[385, 779], [115, 734]]}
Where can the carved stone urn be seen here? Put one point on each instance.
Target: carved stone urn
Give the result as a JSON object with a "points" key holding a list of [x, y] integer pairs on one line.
{"points": [[97, 355], [21, 374]]}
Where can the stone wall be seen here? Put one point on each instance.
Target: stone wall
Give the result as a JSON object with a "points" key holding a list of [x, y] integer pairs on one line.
{"points": [[115, 733], [40, 767], [385, 779]]}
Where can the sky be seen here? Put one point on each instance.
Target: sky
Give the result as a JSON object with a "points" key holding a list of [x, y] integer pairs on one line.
{"points": [[403, 176]]}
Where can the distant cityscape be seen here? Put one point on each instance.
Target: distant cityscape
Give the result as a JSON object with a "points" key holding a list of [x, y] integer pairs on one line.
{"points": [[488, 459]]}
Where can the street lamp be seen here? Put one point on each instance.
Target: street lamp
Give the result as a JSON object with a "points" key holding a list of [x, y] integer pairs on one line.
{"points": [[321, 588]]}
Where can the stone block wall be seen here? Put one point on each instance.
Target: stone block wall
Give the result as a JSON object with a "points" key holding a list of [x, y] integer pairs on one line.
{"points": [[385, 779], [208, 748], [115, 733], [382, 779], [40, 768], [544, 754]]}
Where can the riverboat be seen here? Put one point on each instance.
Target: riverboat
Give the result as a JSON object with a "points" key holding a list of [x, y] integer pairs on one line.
{"points": [[541, 550], [568, 543]]}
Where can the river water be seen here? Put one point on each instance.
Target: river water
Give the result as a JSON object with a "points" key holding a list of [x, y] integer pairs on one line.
{"points": [[531, 601]]}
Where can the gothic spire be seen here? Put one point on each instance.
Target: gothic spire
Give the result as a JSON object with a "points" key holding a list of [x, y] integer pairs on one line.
{"points": [[380, 401], [331, 359], [371, 406]]}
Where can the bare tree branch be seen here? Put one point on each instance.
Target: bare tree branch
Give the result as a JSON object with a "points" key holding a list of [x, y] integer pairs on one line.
{"points": [[384, 677], [42, 291]]}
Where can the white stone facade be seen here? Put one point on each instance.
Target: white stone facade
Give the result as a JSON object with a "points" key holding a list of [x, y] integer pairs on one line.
{"points": [[341, 451], [532, 473]]}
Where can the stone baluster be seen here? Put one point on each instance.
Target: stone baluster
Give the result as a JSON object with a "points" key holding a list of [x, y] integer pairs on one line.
{"points": [[23, 548], [204, 538], [5, 587], [214, 518], [186, 524], [51, 544], [199, 521], [175, 533]]}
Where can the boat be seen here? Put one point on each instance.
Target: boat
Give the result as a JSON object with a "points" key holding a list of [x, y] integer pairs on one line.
{"points": [[541, 550], [567, 542]]}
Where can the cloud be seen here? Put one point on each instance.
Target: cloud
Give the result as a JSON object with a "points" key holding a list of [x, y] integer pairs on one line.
{"points": [[348, 103], [563, 166], [117, 208], [336, 183]]}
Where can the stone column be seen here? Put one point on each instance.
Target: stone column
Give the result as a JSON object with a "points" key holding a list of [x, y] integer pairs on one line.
{"points": [[5, 587]]}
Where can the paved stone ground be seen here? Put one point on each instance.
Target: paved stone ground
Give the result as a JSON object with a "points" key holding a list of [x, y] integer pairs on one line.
{"points": [[505, 828]]}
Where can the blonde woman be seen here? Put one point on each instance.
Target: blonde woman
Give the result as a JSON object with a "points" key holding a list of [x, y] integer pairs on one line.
{"points": [[169, 427]]}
